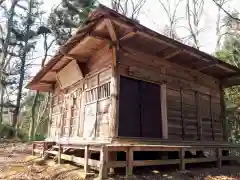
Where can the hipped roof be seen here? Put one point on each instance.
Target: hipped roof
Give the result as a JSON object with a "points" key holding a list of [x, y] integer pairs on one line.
{"points": [[95, 34]]}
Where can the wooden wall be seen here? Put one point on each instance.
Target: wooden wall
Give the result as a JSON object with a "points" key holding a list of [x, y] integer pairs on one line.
{"points": [[89, 116], [193, 98]]}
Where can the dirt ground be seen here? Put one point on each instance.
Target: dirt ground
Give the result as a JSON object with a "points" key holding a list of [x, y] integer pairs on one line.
{"points": [[16, 163]]}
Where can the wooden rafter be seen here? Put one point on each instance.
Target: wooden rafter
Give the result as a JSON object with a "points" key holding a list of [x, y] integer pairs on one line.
{"points": [[128, 36], [111, 30], [47, 82], [212, 64], [172, 54]]}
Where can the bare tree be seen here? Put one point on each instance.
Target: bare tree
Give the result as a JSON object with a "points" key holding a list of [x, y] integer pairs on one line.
{"points": [[225, 11], [194, 11], [23, 56], [5, 43], [219, 26], [43, 105], [130, 8], [171, 12]]}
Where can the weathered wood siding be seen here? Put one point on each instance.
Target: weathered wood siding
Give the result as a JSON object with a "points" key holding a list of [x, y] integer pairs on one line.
{"points": [[193, 98], [72, 118]]}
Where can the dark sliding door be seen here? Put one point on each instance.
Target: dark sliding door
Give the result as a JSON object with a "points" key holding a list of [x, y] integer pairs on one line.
{"points": [[129, 109], [139, 109]]}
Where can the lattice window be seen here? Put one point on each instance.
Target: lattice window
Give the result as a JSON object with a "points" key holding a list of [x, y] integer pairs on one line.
{"points": [[104, 91], [98, 93], [74, 115]]}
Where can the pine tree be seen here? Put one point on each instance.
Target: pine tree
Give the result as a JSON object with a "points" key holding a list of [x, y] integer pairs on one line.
{"points": [[68, 16]]}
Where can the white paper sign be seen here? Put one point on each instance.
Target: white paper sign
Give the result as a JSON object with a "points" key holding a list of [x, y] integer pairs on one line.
{"points": [[90, 120]]}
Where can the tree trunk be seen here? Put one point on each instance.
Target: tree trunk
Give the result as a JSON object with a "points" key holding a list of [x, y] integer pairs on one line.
{"points": [[22, 69], [4, 54], [32, 124]]}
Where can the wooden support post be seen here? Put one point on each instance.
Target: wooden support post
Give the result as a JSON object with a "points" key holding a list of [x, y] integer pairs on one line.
{"points": [[198, 114], [164, 111], [223, 116], [50, 115], [182, 115], [114, 93], [130, 159], [82, 109], [112, 157], [103, 172], [44, 148], [212, 117], [219, 156], [182, 159], [86, 157], [33, 148], [59, 153]]}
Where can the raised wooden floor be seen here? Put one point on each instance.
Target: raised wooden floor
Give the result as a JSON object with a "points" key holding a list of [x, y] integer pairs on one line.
{"points": [[107, 155]]}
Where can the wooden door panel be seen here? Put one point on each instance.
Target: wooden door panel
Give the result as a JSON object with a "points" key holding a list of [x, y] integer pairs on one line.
{"points": [[150, 110], [129, 108]]}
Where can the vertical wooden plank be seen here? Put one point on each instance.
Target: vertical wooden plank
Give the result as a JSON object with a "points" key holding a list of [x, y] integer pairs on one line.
{"points": [[59, 153], [129, 160], [114, 92], [44, 148], [33, 148], [96, 122], [219, 155], [79, 102], [182, 115], [82, 110], [112, 156], [182, 157], [50, 114], [164, 111], [212, 117], [103, 172], [223, 116], [86, 157], [198, 114]]}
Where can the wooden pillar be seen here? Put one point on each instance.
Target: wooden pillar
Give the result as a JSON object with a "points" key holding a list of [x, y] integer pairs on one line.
{"points": [[129, 160], [44, 148], [223, 116], [114, 89], [164, 111], [212, 117], [59, 153], [182, 157], [79, 100], [50, 114], [198, 115], [33, 148], [103, 172], [86, 157], [219, 155], [82, 109], [182, 115], [112, 156]]}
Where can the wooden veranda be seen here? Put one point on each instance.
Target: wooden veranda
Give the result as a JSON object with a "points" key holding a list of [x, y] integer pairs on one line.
{"points": [[106, 158]]}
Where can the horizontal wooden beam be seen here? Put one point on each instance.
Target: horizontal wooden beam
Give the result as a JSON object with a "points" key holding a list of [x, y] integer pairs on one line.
{"points": [[197, 160], [47, 82], [231, 81], [116, 164], [156, 162]]}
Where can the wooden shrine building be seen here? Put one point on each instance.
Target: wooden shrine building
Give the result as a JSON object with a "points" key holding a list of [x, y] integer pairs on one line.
{"points": [[119, 86]]}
